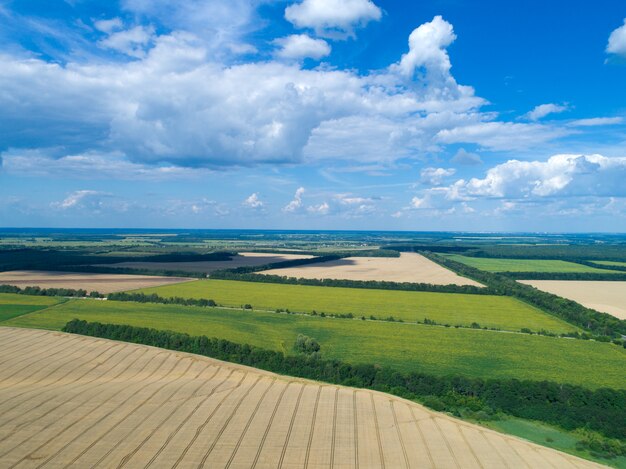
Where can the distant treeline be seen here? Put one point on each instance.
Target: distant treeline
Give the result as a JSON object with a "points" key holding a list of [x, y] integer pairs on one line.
{"points": [[369, 284], [374, 252], [154, 298], [597, 276], [568, 310], [277, 265], [37, 291], [575, 253], [569, 406], [127, 271]]}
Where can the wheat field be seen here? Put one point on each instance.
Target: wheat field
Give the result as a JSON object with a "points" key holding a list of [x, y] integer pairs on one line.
{"points": [[74, 401]]}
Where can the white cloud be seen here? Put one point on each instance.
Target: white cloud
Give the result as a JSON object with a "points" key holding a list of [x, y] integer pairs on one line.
{"points": [[427, 51], [419, 202], [253, 201], [333, 18], [435, 176], [596, 121], [183, 106], [91, 202], [501, 135], [466, 158], [108, 26], [617, 41], [321, 209], [543, 110], [296, 203], [132, 42], [300, 46]]}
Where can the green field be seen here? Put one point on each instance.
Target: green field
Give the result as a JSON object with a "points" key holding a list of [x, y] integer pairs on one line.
{"points": [[445, 308], [525, 265], [549, 436], [610, 263], [405, 347], [12, 305]]}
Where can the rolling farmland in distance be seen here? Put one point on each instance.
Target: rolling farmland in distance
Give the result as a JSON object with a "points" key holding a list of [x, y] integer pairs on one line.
{"points": [[526, 265], [444, 308], [403, 346]]}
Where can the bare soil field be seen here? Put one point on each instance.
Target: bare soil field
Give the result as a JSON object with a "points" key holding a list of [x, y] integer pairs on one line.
{"points": [[103, 283], [606, 297], [244, 259], [409, 267], [74, 401]]}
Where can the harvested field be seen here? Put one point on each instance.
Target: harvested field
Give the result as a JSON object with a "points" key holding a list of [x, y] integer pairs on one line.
{"points": [[78, 401], [409, 267], [606, 297], [244, 259], [103, 283]]}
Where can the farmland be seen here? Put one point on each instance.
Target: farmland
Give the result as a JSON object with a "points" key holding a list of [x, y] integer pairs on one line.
{"points": [[15, 305], [406, 347], [244, 259], [123, 405], [611, 263], [526, 265], [103, 283], [409, 267], [445, 308], [606, 297]]}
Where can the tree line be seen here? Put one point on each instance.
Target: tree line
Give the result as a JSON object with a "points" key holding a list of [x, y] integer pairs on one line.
{"points": [[568, 406], [37, 291], [599, 323], [368, 284]]}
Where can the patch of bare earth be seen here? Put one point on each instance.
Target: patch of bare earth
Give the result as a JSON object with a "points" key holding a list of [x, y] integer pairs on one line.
{"points": [[75, 401], [103, 283], [244, 259], [606, 297], [409, 267]]}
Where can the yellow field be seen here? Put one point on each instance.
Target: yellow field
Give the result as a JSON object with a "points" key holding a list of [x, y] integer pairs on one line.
{"points": [[74, 401], [606, 297], [409, 267], [103, 283], [244, 259]]}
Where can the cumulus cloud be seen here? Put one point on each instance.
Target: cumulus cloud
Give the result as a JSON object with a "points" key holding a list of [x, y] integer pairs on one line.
{"points": [[333, 18], [321, 209], [300, 46], [466, 158], [181, 105], [296, 203], [541, 111], [132, 42], [617, 41], [435, 176], [564, 175], [109, 26], [253, 201]]}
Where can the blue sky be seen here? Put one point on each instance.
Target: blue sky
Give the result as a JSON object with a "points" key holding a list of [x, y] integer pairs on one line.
{"points": [[314, 114]]}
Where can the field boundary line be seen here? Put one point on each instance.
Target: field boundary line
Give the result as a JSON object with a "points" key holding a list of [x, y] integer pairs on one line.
{"points": [[395, 421], [71, 398], [228, 419], [140, 405], [206, 422], [79, 420], [380, 444], [176, 407], [313, 420], [186, 419], [421, 435], [288, 436], [247, 426], [43, 388]]}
